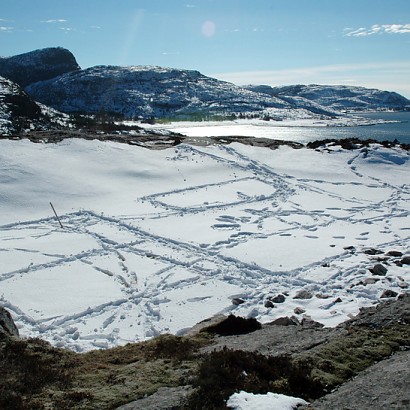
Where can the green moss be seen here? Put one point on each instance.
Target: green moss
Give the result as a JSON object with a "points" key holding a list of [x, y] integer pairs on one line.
{"points": [[36, 375], [39, 376], [346, 356]]}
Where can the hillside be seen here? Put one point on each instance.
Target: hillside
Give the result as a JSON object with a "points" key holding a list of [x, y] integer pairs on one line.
{"points": [[19, 112], [337, 97], [145, 91]]}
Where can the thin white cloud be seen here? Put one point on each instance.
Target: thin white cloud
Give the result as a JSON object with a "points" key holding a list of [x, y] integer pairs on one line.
{"points": [[378, 29], [4, 29], [53, 21], [397, 28]]}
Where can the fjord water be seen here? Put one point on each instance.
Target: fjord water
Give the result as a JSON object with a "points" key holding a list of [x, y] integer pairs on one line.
{"points": [[396, 127], [381, 132], [387, 132]]}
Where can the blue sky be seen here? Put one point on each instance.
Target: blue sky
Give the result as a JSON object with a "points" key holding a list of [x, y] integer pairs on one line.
{"points": [[275, 42]]}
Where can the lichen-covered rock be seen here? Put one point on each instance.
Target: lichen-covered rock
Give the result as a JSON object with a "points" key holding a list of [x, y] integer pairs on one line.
{"points": [[303, 294], [166, 398], [285, 321]]}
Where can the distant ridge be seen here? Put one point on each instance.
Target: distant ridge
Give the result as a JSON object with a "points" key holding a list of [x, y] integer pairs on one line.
{"points": [[338, 97]]}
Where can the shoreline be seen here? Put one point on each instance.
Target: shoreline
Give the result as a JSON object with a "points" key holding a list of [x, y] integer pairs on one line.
{"points": [[162, 141]]}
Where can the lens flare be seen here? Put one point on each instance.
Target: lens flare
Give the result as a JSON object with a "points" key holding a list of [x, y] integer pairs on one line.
{"points": [[208, 28]]}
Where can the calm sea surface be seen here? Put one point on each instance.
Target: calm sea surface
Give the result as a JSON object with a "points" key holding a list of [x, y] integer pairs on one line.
{"points": [[382, 132], [399, 130]]}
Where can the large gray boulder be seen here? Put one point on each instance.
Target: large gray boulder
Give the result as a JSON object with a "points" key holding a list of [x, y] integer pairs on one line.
{"points": [[7, 326], [166, 398]]}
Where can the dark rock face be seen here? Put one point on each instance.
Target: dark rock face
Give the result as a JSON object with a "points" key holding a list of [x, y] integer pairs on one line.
{"points": [[19, 112], [395, 253], [379, 270], [237, 301], [38, 65], [269, 304], [278, 299], [388, 293], [234, 325], [7, 326], [17, 107], [405, 260], [372, 251]]}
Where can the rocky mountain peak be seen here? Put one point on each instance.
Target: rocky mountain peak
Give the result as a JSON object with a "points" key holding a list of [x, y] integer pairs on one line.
{"points": [[38, 65]]}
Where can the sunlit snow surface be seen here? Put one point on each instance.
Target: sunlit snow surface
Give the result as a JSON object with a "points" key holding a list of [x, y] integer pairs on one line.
{"points": [[269, 401], [155, 241]]}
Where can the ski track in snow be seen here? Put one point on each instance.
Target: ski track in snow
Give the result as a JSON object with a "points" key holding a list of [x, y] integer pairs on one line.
{"points": [[269, 233]]}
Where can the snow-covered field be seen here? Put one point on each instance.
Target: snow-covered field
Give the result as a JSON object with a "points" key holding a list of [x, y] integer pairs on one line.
{"points": [[155, 241]]}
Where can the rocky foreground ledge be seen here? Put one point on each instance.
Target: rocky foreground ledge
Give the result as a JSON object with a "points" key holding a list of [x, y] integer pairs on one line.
{"points": [[363, 363], [137, 136]]}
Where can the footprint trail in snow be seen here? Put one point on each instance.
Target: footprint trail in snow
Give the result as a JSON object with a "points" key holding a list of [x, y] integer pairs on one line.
{"points": [[221, 223]]}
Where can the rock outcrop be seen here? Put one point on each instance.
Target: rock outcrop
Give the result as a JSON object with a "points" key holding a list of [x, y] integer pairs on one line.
{"points": [[38, 65], [7, 326], [19, 112]]}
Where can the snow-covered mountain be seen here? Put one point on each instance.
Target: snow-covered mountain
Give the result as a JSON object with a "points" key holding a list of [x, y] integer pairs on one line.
{"points": [[147, 91], [53, 77], [38, 65], [336, 97], [19, 112]]}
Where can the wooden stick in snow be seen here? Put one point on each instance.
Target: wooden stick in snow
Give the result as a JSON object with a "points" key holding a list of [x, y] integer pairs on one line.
{"points": [[55, 213]]}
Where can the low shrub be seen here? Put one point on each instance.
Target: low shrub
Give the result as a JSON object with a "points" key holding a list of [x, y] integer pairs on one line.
{"points": [[227, 371]]}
